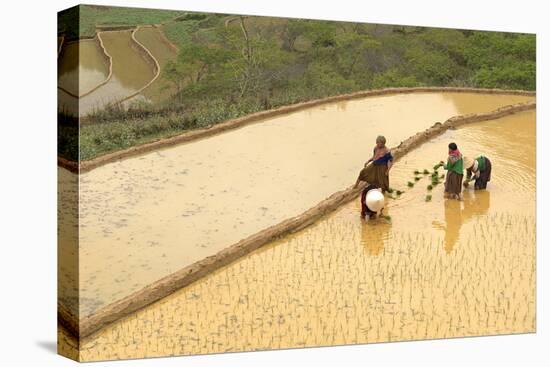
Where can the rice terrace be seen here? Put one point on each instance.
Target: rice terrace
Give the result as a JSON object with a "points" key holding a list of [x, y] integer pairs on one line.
{"points": [[218, 189]]}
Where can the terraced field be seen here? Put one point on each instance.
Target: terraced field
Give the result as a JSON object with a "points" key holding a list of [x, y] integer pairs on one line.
{"points": [[437, 269]]}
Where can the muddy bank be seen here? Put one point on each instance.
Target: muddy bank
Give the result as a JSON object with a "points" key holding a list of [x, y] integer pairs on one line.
{"points": [[188, 136], [165, 39], [438, 269], [84, 59], [145, 217], [108, 98], [132, 69], [109, 62], [154, 40], [191, 273], [151, 60]]}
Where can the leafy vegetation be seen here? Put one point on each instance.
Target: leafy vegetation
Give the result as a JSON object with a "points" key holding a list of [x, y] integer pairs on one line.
{"points": [[80, 21], [229, 66]]}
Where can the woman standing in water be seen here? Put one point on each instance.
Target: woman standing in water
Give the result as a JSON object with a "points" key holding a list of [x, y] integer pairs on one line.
{"points": [[478, 169], [455, 172], [377, 173]]}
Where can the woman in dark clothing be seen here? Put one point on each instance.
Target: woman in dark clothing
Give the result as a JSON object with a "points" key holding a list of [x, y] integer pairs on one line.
{"points": [[478, 169], [377, 168]]}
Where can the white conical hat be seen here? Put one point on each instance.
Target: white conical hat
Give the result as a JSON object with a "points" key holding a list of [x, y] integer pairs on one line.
{"points": [[468, 162], [375, 200]]}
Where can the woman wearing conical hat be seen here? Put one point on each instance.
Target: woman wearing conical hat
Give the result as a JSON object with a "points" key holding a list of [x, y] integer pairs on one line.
{"points": [[372, 202], [478, 169]]}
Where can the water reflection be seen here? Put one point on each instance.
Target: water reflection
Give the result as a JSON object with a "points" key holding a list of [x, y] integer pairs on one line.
{"points": [[476, 203], [82, 66], [342, 106], [177, 187], [464, 102], [374, 235], [458, 213], [320, 286]]}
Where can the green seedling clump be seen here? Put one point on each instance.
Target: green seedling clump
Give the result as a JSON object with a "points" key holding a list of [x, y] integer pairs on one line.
{"points": [[390, 190], [430, 187], [417, 178], [428, 197], [416, 172], [398, 192], [425, 171], [410, 184]]}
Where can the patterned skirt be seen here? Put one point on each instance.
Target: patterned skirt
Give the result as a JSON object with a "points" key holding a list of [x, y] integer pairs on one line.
{"points": [[376, 175], [453, 183]]}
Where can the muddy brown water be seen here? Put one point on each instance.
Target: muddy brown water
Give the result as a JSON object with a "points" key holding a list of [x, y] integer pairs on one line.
{"points": [[148, 216], [81, 67], [153, 40], [131, 71], [439, 269]]}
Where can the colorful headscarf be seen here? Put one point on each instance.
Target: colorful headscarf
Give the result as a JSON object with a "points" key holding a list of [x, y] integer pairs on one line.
{"points": [[454, 152], [454, 155], [379, 152]]}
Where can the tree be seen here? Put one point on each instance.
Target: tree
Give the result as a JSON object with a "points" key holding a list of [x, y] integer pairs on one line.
{"points": [[194, 63]]}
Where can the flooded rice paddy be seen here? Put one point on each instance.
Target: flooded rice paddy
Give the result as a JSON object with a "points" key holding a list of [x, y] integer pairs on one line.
{"points": [[146, 217], [438, 269], [83, 66], [156, 43]]}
